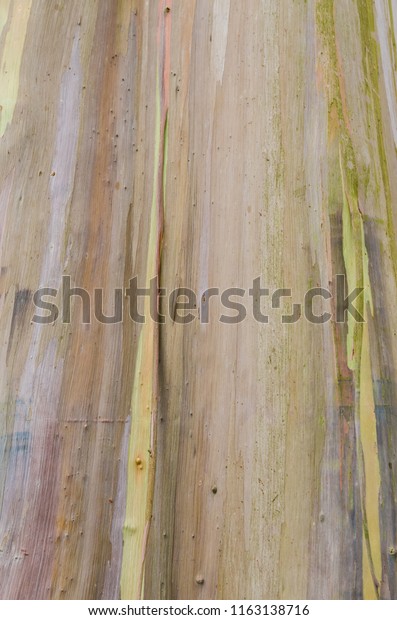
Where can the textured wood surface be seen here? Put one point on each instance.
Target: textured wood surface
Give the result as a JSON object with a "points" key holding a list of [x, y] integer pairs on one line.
{"points": [[206, 142]]}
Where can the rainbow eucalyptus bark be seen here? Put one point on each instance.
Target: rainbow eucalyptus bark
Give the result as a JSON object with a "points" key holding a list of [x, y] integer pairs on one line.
{"points": [[209, 145]]}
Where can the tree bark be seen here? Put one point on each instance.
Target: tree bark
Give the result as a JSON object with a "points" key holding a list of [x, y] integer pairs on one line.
{"points": [[206, 144]]}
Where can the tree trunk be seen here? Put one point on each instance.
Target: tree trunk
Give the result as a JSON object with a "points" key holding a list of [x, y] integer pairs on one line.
{"points": [[207, 144]]}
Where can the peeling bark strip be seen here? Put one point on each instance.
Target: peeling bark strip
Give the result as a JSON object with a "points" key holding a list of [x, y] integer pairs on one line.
{"points": [[145, 394], [205, 143]]}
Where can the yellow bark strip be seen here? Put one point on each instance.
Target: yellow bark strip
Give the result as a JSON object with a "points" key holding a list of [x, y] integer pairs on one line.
{"points": [[11, 61], [372, 564], [140, 458], [356, 264], [142, 452]]}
